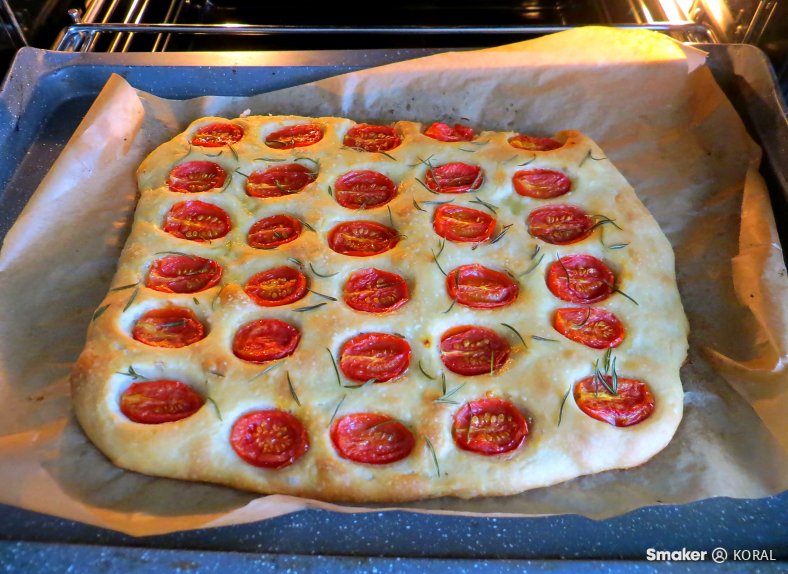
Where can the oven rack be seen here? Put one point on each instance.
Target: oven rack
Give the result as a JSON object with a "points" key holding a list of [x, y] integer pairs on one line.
{"points": [[82, 37]]}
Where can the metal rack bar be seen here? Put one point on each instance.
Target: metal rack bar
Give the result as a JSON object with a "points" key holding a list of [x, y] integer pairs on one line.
{"points": [[90, 31]]}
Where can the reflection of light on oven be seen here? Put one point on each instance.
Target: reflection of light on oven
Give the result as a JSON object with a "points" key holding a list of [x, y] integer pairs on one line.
{"points": [[718, 12], [673, 12]]}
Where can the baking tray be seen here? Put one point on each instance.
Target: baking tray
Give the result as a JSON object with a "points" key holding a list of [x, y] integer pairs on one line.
{"points": [[42, 101]]}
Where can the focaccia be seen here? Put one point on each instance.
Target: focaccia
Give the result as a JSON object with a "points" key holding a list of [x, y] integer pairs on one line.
{"points": [[355, 312]]}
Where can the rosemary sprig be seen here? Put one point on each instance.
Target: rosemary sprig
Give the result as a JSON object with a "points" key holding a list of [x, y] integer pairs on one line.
{"points": [[446, 397], [215, 406], [489, 206], [329, 297], [232, 149], [227, 181], [196, 301], [501, 233], [604, 220], [438, 202], [516, 332], [308, 308], [417, 206], [268, 159], [268, 369], [589, 156], [617, 290], [181, 253], [561, 410], [336, 410], [391, 217], [314, 162], [453, 303], [124, 287], [132, 373], [528, 162], [616, 246], [371, 381], [295, 261], [242, 174], [132, 298], [441, 247], [543, 339], [216, 373], [305, 224], [535, 252], [387, 421], [334, 363], [320, 274], [425, 186], [99, 312], [330, 191], [468, 150], [443, 383], [425, 373], [582, 324], [492, 361], [218, 295], [178, 323], [533, 266], [213, 155], [434, 457], [292, 389]]}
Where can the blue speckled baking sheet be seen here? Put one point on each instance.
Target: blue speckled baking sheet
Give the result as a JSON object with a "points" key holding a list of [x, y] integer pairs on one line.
{"points": [[42, 101]]}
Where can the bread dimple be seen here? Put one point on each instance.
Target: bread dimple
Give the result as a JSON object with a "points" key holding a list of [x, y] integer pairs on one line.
{"points": [[535, 378]]}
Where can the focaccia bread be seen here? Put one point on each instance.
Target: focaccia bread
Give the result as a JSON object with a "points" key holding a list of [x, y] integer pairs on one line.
{"points": [[350, 312]]}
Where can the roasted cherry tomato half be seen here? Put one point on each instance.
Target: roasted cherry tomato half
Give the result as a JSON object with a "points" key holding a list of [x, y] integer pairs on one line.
{"points": [[278, 286], [364, 189], [489, 426], [480, 287], [632, 403], [371, 438], [183, 274], [590, 326], [446, 133], [170, 327], [279, 180], [273, 231], [265, 340], [217, 135], [541, 183], [372, 138], [454, 178], [463, 224], [362, 238], [196, 176], [156, 402], [301, 135], [269, 439], [560, 224], [530, 143], [580, 279], [378, 356], [197, 221], [374, 291], [468, 350]]}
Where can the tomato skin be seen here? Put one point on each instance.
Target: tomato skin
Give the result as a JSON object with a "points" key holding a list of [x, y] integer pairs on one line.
{"points": [[183, 274], [269, 439], [279, 180], [273, 231], [531, 143], [480, 287], [375, 291], [197, 221], [589, 326], [301, 135], [468, 350], [463, 224], [541, 183], [445, 133], [489, 426], [218, 134], [362, 238], [633, 403], [364, 189], [589, 279], [168, 327], [276, 286], [454, 177], [378, 356], [196, 177], [560, 224], [160, 401], [372, 138], [371, 438], [265, 340]]}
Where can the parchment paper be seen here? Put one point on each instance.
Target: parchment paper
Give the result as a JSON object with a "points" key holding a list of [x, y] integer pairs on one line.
{"points": [[650, 104]]}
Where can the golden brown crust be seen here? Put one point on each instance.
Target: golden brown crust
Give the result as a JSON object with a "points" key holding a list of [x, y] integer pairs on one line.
{"points": [[534, 379]]}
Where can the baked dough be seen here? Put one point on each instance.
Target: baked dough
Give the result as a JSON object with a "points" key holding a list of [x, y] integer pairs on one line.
{"points": [[535, 378]]}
